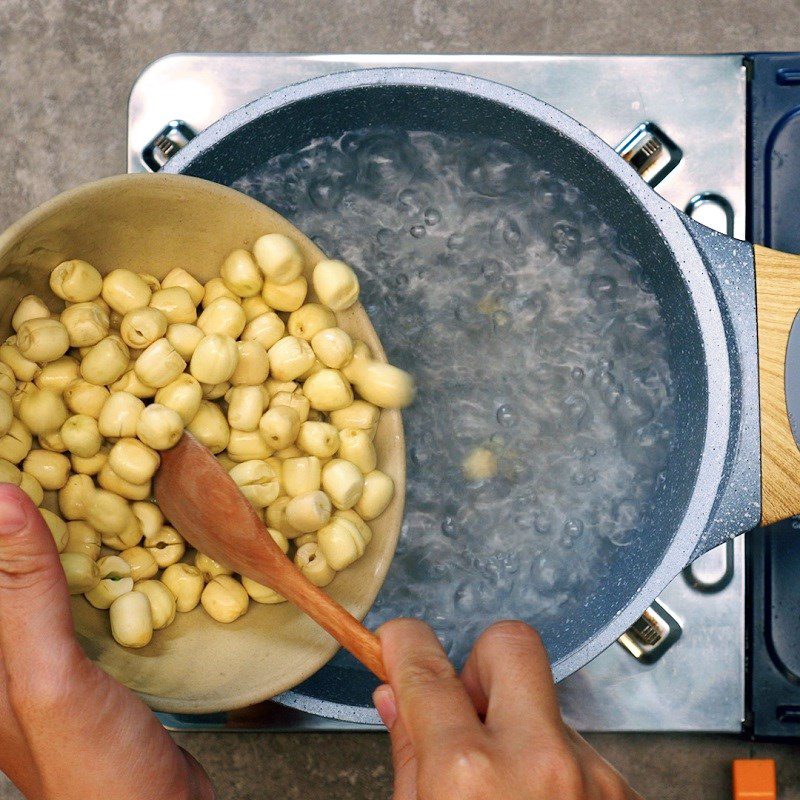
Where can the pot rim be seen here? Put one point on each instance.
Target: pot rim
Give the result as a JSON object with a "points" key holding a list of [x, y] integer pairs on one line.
{"points": [[686, 258]]}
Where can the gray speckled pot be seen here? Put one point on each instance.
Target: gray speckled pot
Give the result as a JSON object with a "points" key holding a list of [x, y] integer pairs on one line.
{"points": [[705, 283]]}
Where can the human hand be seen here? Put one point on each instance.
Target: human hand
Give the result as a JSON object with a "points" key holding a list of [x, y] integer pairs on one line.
{"points": [[68, 730], [494, 733]]}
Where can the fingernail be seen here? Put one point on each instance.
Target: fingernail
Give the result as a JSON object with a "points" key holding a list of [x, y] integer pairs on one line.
{"points": [[385, 704], [12, 516]]}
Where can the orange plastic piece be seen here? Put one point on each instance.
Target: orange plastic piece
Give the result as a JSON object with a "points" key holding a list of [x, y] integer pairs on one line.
{"points": [[754, 779]]}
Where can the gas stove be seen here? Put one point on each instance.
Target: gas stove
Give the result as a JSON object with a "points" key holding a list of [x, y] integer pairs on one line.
{"points": [[682, 121]]}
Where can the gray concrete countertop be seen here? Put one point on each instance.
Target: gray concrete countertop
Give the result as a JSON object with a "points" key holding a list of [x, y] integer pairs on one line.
{"points": [[66, 67]]}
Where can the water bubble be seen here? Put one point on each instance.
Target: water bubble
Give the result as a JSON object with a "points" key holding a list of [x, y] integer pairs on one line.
{"points": [[508, 284], [544, 522], [634, 408], [506, 230], [470, 597], [501, 320], [386, 237], [502, 565], [449, 526], [565, 239], [577, 374], [350, 142], [523, 521], [491, 269], [578, 478], [533, 306], [410, 202], [610, 390], [469, 319], [419, 457], [432, 216], [382, 170], [498, 441], [602, 287], [515, 470], [325, 194], [626, 513], [573, 529], [385, 160], [547, 193], [571, 194], [456, 241], [417, 231], [506, 415], [611, 395], [576, 407], [648, 436], [513, 236], [493, 169], [401, 280], [544, 575], [622, 538]]}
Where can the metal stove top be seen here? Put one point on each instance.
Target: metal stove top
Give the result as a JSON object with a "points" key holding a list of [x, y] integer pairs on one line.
{"points": [[681, 120]]}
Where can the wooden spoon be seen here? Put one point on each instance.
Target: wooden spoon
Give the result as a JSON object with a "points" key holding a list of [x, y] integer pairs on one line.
{"points": [[202, 501]]}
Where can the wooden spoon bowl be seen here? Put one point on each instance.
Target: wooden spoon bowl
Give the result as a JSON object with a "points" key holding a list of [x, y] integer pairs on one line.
{"points": [[154, 223]]}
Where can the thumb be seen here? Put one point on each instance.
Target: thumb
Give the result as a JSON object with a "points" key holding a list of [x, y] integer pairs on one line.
{"points": [[403, 759], [73, 714], [34, 601]]}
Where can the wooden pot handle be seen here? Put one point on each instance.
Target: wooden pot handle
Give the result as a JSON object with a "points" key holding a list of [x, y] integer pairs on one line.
{"points": [[777, 305]]}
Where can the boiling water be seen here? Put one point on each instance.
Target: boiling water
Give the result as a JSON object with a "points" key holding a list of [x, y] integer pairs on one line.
{"points": [[529, 333]]}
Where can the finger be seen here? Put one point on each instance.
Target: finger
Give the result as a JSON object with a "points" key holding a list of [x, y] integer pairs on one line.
{"points": [[16, 759], [432, 702], [509, 680], [70, 712], [403, 758], [600, 777], [199, 785], [477, 694], [77, 717], [36, 633]]}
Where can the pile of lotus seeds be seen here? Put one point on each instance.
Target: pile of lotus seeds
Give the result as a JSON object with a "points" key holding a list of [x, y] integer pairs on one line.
{"points": [[287, 401]]}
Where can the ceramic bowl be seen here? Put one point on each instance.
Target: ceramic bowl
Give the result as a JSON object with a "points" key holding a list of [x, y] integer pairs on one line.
{"points": [[154, 223]]}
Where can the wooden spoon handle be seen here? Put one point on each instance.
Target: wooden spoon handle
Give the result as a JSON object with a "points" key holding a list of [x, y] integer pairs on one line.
{"points": [[336, 620]]}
